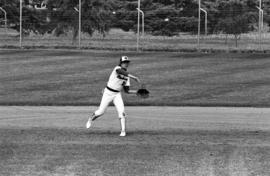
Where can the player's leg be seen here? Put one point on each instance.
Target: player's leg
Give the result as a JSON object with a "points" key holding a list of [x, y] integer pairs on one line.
{"points": [[119, 104], [105, 101]]}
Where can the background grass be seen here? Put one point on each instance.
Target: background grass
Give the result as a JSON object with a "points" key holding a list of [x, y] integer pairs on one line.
{"points": [[119, 40], [66, 77]]}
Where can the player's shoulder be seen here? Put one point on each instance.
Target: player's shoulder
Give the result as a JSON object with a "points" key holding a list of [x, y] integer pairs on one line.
{"points": [[117, 67]]}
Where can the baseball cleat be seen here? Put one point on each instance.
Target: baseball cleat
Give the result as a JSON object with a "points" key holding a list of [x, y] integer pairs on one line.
{"points": [[122, 134], [89, 123]]}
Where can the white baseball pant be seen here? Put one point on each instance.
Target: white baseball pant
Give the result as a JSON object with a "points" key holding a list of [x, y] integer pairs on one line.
{"points": [[107, 98]]}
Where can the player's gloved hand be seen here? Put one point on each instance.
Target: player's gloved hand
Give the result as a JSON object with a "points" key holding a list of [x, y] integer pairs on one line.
{"points": [[143, 92]]}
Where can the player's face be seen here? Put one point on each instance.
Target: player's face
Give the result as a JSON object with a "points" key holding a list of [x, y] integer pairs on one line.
{"points": [[125, 65]]}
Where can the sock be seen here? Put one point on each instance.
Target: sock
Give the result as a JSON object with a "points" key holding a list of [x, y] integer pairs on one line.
{"points": [[123, 124]]}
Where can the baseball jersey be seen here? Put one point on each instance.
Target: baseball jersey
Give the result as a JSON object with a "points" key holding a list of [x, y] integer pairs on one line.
{"points": [[117, 81]]}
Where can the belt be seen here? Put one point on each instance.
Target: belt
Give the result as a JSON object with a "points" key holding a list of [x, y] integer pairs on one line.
{"points": [[112, 89]]}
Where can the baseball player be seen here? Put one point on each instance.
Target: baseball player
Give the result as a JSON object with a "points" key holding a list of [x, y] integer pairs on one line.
{"points": [[119, 80]]}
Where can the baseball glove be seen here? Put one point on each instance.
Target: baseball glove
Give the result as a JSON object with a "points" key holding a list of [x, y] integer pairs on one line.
{"points": [[143, 92]]}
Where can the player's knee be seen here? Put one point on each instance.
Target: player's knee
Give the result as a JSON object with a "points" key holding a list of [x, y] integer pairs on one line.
{"points": [[122, 115]]}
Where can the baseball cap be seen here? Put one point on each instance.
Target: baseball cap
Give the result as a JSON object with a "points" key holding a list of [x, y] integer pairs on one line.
{"points": [[124, 59]]}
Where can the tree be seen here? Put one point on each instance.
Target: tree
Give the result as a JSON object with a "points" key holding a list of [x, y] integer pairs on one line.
{"points": [[234, 18], [266, 7], [156, 11], [60, 16], [96, 16], [235, 26], [33, 20]]}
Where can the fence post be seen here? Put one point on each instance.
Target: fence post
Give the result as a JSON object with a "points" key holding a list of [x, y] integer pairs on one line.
{"points": [[21, 23], [205, 20], [138, 25], [80, 22], [260, 23], [5, 16], [199, 26], [142, 20]]}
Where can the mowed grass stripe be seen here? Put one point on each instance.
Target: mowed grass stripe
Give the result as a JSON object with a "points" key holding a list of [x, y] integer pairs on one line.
{"points": [[73, 152], [62, 77]]}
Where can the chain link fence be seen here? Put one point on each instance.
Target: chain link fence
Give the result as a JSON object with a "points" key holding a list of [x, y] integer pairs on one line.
{"points": [[115, 39]]}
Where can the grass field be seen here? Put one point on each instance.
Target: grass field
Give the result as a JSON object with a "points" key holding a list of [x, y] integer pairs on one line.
{"points": [[119, 40], [71, 77], [171, 141]]}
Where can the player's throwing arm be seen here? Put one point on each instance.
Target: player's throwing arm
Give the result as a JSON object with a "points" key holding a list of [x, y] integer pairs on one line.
{"points": [[119, 80]]}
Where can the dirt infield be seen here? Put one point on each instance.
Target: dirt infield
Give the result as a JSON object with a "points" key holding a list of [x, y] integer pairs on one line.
{"points": [[153, 119], [161, 141]]}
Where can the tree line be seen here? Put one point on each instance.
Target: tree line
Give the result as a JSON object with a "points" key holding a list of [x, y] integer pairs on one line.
{"points": [[162, 17]]}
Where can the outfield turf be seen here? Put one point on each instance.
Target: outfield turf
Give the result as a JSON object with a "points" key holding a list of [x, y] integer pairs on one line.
{"points": [[173, 141], [117, 39], [64, 77]]}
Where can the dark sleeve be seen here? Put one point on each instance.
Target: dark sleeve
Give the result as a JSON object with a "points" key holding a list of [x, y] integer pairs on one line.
{"points": [[122, 72], [126, 89]]}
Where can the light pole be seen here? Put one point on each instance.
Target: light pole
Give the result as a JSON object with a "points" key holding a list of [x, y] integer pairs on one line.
{"points": [[199, 25], [138, 25], [21, 23], [5, 13], [205, 20], [260, 22], [142, 20], [80, 22]]}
